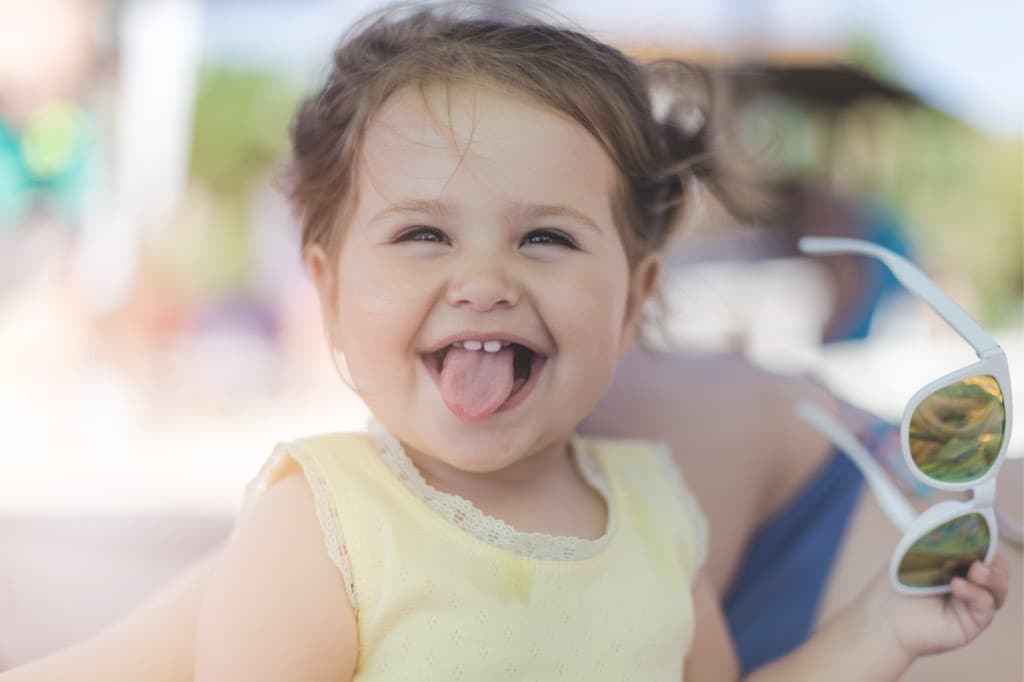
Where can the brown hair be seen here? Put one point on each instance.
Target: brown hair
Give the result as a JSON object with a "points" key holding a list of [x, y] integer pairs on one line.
{"points": [[593, 83]]}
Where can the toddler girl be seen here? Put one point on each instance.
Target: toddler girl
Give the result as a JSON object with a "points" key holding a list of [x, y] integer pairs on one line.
{"points": [[482, 203]]}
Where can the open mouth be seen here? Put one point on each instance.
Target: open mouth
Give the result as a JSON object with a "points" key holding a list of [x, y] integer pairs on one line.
{"points": [[477, 382]]}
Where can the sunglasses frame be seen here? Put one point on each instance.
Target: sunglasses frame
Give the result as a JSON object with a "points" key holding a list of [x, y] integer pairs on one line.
{"points": [[992, 362]]}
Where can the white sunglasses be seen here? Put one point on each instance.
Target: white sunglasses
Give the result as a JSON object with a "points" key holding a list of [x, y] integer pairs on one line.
{"points": [[954, 435]]}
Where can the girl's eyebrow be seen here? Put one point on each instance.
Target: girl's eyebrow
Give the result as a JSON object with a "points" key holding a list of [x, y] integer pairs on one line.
{"points": [[515, 210]]}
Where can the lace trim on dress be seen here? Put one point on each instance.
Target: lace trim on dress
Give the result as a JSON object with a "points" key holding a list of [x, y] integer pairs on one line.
{"points": [[462, 513], [663, 454]]}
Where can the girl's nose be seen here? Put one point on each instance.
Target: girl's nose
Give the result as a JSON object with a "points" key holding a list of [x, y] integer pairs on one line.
{"points": [[481, 287]]}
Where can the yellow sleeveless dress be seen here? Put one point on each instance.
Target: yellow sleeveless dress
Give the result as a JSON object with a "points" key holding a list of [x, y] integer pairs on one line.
{"points": [[442, 591]]}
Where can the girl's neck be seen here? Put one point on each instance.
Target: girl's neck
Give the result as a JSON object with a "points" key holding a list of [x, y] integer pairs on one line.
{"points": [[545, 492], [528, 475]]}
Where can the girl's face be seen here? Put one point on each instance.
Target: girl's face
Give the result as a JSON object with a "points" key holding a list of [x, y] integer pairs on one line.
{"points": [[498, 228]]}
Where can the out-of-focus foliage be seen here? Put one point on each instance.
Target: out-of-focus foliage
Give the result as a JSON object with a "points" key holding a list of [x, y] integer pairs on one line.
{"points": [[865, 51], [241, 122], [239, 137], [958, 191]]}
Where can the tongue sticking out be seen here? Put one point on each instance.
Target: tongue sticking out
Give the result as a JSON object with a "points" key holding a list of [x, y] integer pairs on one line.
{"points": [[475, 383]]}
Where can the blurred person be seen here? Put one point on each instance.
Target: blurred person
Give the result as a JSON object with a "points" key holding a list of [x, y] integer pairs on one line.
{"points": [[49, 147], [48, 143], [50, 159], [859, 285], [792, 441]]}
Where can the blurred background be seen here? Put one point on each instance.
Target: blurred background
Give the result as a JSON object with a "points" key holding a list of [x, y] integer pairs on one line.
{"points": [[158, 334]]}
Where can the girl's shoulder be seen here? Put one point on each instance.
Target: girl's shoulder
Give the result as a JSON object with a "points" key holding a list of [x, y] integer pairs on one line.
{"points": [[633, 455], [653, 473], [627, 450], [637, 465], [305, 455], [273, 586], [318, 463]]}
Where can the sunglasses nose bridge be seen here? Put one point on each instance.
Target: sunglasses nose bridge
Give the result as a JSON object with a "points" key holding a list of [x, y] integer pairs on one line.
{"points": [[985, 494]]}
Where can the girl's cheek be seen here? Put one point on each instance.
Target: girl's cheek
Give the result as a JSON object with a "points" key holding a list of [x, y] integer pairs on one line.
{"points": [[396, 279]]}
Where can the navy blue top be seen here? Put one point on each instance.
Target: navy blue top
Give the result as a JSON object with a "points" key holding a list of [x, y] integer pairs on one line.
{"points": [[772, 603]]}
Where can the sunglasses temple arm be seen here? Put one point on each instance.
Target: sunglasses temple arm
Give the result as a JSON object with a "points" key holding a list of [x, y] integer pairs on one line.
{"points": [[913, 279], [896, 507]]}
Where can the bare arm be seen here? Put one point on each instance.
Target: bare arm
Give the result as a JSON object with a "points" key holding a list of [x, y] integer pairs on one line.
{"points": [[158, 641], [276, 606], [877, 637], [155, 642], [712, 654], [845, 650], [849, 648]]}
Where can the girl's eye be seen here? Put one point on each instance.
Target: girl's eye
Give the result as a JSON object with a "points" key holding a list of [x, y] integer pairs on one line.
{"points": [[423, 234], [549, 237]]}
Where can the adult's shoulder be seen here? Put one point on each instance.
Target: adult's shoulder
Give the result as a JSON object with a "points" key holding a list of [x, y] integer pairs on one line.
{"points": [[694, 400]]}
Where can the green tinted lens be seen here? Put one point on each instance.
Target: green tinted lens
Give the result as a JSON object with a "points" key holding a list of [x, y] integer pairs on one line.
{"points": [[945, 552], [957, 432]]}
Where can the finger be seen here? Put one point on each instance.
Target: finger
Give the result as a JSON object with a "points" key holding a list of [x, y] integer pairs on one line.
{"points": [[983, 576], [979, 601], [1000, 564], [992, 577], [998, 581]]}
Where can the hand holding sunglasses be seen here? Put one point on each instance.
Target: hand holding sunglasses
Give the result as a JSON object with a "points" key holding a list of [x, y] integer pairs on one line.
{"points": [[953, 435]]}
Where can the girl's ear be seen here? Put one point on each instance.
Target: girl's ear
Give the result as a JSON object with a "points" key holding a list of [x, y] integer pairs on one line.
{"points": [[316, 262], [320, 269], [643, 283], [322, 272]]}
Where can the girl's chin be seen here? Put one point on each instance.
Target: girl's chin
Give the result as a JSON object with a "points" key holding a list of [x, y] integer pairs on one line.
{"points": [[484, 454]]}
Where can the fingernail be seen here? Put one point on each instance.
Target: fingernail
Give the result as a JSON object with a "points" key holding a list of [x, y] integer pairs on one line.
{"points": [[984, 572]]}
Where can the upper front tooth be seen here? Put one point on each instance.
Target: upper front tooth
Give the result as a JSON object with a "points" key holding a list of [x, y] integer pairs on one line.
{"points": [[492, 346], [472, 345]]}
